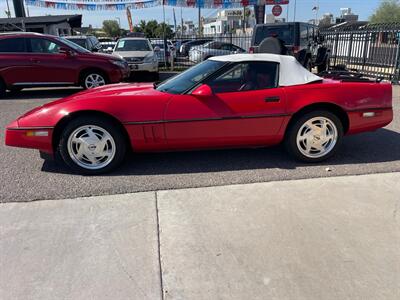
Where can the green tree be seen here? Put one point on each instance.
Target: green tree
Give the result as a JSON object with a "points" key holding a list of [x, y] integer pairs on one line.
{"points": [[387, 12], [153, 29], [111, 28]]}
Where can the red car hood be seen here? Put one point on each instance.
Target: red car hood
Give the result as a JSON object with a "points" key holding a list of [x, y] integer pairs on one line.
{"points": [[107, 91], [124, 101]]}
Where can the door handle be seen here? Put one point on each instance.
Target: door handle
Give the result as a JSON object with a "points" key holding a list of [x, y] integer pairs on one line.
{"points": [[272, 99], [35, 60]]}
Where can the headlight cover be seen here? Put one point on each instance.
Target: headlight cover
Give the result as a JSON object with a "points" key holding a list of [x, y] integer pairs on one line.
{"points": [[150, 58], [119, 63]]}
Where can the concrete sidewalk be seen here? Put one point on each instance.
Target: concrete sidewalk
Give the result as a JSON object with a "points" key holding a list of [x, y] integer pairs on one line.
{"points": [[327, 238]]}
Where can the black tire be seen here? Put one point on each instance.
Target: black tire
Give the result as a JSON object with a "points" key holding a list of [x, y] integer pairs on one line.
{"points": [[2, 89], [308, 64], [323, 67], [292, 132], [85, 75], [111, 128]]}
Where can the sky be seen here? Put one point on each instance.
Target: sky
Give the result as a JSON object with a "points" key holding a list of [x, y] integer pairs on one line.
{"points": [[364, 8]]}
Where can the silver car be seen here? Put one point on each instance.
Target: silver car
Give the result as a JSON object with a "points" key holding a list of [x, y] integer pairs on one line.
{"points": [[202, 52]]}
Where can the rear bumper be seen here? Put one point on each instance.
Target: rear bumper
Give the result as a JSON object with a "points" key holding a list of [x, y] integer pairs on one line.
{"points": [[34, 138], [361, 120]]}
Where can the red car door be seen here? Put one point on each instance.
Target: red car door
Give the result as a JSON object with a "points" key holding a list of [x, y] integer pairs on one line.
{"points": [[235, 115], [50, 66], [14, 60]]}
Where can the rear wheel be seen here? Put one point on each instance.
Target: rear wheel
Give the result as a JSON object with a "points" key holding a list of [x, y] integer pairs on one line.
{"points": [[92, 145], [93, 79], [323, 67], [315, 136]]}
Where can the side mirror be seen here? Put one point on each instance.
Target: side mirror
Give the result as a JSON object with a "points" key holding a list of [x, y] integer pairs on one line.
{"points": [[95, 50], [203, 91], [66, 51], [157, 49]]}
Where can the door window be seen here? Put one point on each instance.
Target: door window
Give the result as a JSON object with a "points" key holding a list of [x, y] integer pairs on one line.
{"points": [[246, 77], [43, 46], [303, 35], [12, 45]]}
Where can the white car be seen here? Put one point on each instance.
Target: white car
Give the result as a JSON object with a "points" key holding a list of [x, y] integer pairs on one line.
{"points": [[139, 54]]}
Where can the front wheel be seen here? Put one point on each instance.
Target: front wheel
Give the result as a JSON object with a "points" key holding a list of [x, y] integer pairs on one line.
{"points": [[315, 136], [93, 79], [92, 145]]}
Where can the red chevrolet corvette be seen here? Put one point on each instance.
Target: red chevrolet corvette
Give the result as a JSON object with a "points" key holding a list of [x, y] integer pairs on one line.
{"points": [[243, 100]]}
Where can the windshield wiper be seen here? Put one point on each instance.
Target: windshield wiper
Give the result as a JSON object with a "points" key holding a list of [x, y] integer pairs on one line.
{"points": [[156, 84]]}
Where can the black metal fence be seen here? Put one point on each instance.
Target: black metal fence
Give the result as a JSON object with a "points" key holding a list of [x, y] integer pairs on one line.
{"points": [[186, 51], [372, 49]]}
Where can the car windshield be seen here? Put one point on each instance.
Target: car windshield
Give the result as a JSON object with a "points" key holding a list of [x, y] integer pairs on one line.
{"points": [[190, 77], [133, 45], [72, 45], [283, 32]]}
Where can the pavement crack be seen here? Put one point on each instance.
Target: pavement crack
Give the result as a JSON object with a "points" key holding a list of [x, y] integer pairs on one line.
{"points": [[159, 246]]}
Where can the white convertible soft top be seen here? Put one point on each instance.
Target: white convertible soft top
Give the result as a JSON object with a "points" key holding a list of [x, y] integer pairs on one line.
{"points": [[291, 72]]}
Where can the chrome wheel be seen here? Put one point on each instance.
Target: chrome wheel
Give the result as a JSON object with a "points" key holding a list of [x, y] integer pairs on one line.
{"points": [[91, 147], [94, 80], [317, 137]]}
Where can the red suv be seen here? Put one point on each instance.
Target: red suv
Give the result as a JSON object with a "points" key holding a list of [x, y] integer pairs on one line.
{"points": [[32, 60]]}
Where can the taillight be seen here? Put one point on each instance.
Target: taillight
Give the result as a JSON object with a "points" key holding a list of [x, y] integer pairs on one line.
{"points": [[251, 50], [296, 49]]}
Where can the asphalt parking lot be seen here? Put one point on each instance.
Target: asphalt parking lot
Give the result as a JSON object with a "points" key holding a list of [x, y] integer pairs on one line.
{"points": [[26, 177]]}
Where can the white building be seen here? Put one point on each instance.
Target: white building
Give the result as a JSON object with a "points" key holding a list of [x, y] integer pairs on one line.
{"points": [[228, 21]]}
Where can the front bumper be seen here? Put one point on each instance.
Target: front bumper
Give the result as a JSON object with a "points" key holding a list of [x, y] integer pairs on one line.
{"points": [[33, 137], [143, 67]]}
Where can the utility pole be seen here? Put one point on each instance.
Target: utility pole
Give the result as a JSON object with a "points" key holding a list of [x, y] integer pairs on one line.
{"points": [[19, 8], [244, 19], [198, 3], [8, 10], [294, 13]]}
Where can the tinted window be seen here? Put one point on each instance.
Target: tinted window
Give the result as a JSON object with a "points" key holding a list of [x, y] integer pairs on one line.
{"points": [[246, 77], [190, 77], [74, 46], [80, 42], [133, 45], [283, 32], [43, 46], [303, 35], [12, 45]]}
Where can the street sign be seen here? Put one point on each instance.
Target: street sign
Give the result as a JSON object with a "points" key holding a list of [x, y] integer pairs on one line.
{"points": [[276, 2], [277, 10]]}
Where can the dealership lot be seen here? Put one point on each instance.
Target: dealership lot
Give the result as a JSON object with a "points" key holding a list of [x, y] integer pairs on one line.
{"points": [[26, 177]]}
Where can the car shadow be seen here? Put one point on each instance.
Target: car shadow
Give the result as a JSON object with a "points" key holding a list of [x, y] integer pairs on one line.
{"points": [[42, 93], [380, 146]]}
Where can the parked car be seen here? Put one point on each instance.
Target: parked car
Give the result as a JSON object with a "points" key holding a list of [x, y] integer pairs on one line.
{"points": [[302, 40], [89, 42], [177, 44], [162, 55], [240, 100], [210, 49], [33, 59], [185, 47], [139, 54], [107, 44]]}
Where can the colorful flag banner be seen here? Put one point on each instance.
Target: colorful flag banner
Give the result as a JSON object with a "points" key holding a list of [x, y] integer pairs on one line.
{"points": [[93, 5]]}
